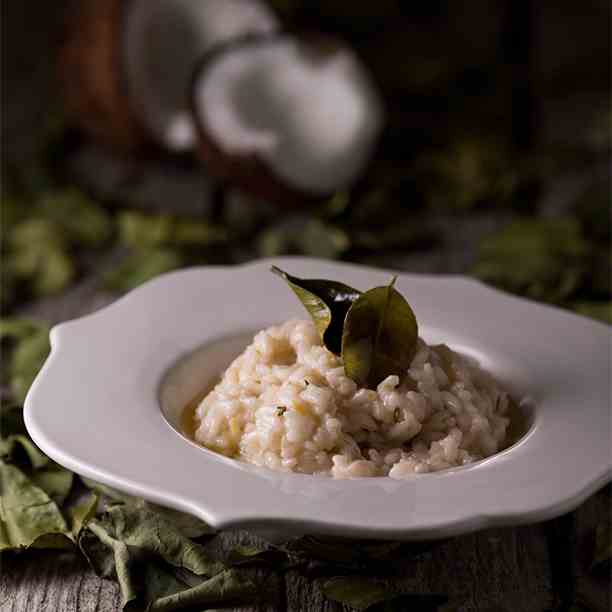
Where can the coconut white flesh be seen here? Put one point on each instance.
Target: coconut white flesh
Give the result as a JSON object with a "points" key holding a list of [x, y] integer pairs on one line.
{"points": [[163, 40], [314, 120]]}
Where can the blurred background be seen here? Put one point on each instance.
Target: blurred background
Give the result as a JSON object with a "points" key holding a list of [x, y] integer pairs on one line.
{"points": [[493, 158]]}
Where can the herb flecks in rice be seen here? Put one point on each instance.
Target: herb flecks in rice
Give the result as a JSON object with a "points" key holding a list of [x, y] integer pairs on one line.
{"points": [[445, 411]]}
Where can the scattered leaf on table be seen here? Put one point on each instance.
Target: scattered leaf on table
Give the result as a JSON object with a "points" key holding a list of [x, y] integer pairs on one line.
{"points": [[27, 357], [38, 255], [103, 490], [28, 516], [11, 419], [303, 236], [109, 556], [15, 446], [602, 311], [140, 527], [81, 513], [55, 480], [363, 593], [227, 586], [379, 337], [190, 526], [602, 555], [79, 218], [327, 302], [255, 555], [358, 592], [140, 230], [340, 551], [141, 266], [552, 255], [470, 171]]}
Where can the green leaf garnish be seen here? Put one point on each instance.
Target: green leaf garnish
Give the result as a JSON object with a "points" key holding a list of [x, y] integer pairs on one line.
{"points": [[379, 337], [327, 302]]}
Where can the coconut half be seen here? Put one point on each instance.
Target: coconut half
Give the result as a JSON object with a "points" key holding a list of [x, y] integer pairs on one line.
{"points": [[287, 117], [126, 65]]}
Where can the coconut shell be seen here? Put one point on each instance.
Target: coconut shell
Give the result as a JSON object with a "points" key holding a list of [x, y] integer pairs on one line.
{"points": [[249, 173], [92, 76]]}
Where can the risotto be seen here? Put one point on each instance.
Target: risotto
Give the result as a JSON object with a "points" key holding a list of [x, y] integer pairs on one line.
{"points": [[286, 404]]}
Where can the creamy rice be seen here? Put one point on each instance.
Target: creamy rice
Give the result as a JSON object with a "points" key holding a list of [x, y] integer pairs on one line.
{"points": [[285, 403]]}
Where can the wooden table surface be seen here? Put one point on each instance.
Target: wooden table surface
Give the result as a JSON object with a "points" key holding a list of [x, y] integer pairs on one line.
{"points": [[499, 570]]}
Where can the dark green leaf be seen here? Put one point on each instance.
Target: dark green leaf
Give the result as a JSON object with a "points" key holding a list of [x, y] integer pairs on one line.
{"points": [[138, 526], [80, 220], [469, 172], [38, 254], [27, 514], [147, 231], [11, 420], [141, 266], [602, 554], [15, 445], [380, 336], [190, 526], [553, 257], [364, 594], [327, 302], [602, 311], [340, 551], [255, 555], [114, 495], [109, 556], [81, 513], [357, 592], [227, 586], [28, 354], [55, 481], [303, 237]]}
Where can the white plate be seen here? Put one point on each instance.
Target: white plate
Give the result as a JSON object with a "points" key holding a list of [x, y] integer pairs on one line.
{"points": [[96, 406]]}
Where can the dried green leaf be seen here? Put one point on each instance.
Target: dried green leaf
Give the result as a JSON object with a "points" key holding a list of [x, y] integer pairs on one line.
{"points": [[16, 446], [553, 255], [364, 594], [27, 514], [129, 537], [227, 586], [38, 254], [11, 419], [300, 236], [141, 266], [139, 526], [327, 302], [190, 526], [55, 480], [102, 490], [109, 556], [602, 311], [28, 355], [602, 555], [260, 555], [341, 552], [81, 513], [470, 171], [379, 337], [77, 217], [357, 592], [146, 231]]}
